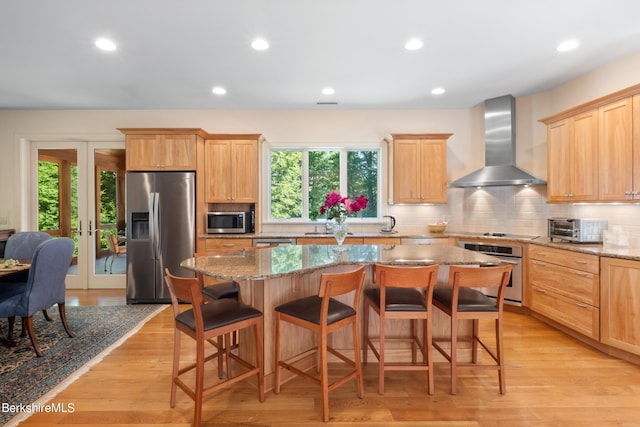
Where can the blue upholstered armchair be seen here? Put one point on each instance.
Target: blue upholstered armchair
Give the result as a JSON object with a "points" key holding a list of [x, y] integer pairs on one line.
{"points": [[22, 245], [44, 287]]}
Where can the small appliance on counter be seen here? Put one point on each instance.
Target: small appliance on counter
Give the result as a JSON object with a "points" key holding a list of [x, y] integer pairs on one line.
{"points": [[388, 224], [576, 230]]}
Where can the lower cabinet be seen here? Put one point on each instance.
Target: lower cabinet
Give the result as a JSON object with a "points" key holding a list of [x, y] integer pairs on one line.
{"points": [[564, 286], [221, 244], [327, 241], [620, 309]]}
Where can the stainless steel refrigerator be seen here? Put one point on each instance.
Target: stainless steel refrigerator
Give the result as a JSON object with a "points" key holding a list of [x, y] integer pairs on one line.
{"points": [[160, 231]]}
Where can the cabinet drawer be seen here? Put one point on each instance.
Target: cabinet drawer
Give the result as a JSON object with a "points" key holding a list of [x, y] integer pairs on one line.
{"points": [[227, 244], [574, 284], [578, 316], [584, 262], [381, 240]]}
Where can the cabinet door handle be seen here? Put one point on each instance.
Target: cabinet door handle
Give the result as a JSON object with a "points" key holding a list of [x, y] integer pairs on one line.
{"points": [[581, 305], [542, 254], [582, 274], [542, 291], [580, 261], [540, 263]]}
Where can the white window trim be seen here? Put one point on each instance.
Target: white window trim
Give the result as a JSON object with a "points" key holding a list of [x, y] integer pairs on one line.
{"points": [[343, 147]]}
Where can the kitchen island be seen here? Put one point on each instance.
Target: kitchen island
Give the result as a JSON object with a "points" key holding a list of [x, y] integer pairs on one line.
{"points": [[272, 276]]}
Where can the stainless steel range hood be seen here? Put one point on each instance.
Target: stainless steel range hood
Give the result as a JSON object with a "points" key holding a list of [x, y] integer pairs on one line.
{"points": [[500, 149]]}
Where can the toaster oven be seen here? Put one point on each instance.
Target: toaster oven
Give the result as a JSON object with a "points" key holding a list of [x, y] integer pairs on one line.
{"points": [[576, 230]]}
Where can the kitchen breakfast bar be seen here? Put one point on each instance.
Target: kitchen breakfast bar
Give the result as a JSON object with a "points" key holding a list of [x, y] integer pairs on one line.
{"points": [[272, 276]]}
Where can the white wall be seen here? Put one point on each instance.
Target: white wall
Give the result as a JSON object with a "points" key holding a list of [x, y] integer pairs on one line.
{"points": [[503, 209]]}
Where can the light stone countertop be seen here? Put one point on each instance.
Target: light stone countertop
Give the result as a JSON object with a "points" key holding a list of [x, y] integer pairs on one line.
{"points": [[286, 260]]}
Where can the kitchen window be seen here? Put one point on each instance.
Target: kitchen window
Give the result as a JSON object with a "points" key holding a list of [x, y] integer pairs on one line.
{"points": [[301, 178]]}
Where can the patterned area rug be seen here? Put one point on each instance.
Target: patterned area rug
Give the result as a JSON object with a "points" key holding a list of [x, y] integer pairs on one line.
{"points": [[24, 377]]}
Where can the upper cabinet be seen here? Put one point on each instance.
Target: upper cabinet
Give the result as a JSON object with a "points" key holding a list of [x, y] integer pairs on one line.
{"points": [[231, 169], [418, 168], [617, 152], [572, 162], [161, 149], [594, 150]]}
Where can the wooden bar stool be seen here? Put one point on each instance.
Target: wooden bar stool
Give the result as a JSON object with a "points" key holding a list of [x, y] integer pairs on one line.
{"points": [[461, 302], [323, 315], [398, 297], [204, 322]]}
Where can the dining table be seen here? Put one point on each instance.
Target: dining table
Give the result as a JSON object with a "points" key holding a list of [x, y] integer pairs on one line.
{"points": [[272, 276], [9, 276]]}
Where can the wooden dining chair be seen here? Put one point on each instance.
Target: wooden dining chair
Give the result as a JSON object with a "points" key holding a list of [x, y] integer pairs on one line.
{"points": [[404, 293], [206, 323], [219, 289], [322, 314], [458, 300]]}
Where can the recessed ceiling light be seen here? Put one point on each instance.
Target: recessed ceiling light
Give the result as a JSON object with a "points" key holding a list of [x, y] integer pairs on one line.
{"points": [[328, 91], [105, 44], [413, 44], [260, 44], [438, 91], [567, 45], [219, 90]]}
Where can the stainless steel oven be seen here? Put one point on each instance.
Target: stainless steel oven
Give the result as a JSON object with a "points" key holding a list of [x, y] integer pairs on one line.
{"points": [[506, 252]]}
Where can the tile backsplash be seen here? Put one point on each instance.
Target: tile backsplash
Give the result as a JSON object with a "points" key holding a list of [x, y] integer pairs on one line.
{"points": [[515, 210]]}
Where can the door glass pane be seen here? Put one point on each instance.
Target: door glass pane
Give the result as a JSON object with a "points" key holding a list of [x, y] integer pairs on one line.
{"points": [[58, 195], [110, 257], [48, 196]]}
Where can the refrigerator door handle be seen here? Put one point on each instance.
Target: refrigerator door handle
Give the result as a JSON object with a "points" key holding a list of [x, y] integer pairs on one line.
{"points": [[152, 226], [156, 225]]}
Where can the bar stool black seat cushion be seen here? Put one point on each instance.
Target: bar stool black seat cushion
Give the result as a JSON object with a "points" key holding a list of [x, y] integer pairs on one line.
{"points": [[219, 313], [308, 309], [398, 299], [222, 290], [468, 299]]}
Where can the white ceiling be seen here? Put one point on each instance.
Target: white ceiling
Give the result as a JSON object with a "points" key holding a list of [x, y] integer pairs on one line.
{"points": [[171, 53]]}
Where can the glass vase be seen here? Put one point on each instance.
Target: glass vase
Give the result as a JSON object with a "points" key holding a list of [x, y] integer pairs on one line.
{"points": [[340, 230]]}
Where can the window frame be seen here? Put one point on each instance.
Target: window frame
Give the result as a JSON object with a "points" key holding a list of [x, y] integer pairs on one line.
{"points": [[343, 148]]}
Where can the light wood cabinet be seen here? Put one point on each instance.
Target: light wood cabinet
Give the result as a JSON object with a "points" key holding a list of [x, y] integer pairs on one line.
{"points": [[564, 286], [616, 152], [607, 168], [222, 244], [231, 171], [419, 168], [161, 149], [329, 240], [620, 309], [572, 156]]}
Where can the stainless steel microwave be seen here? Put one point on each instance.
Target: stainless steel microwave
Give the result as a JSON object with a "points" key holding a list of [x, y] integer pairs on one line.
{"points": [[230, 222]]}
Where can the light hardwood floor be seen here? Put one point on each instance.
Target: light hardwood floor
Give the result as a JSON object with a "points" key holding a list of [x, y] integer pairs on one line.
{"points": [[552, 380]]}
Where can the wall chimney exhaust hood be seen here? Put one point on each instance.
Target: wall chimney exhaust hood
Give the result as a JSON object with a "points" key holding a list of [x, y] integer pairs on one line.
{"points": [[500, 149]]}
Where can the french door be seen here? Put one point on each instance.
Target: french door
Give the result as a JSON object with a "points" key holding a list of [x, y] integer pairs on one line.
{"points": [[77, 191]]}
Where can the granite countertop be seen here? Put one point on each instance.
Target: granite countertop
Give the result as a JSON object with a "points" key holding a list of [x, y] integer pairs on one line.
{"points": [[280, 261], [301, 234]]}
